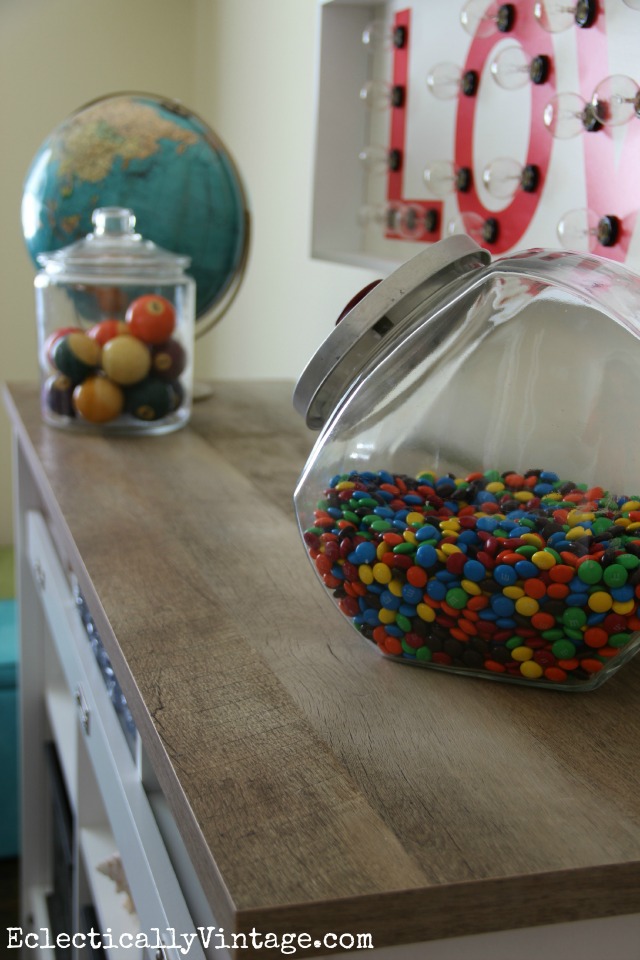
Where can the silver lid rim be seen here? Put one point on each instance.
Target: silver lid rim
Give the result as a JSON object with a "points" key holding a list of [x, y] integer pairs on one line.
{"points": [[359, 335]]}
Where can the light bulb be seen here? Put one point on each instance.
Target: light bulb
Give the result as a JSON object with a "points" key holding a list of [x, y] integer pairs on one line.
{"points": [[554, 16], [568, 115], [446, 81], [442, 178], [582, 229], [372, 215], [475, 226], [511, 68], [616, 100], [504, 176], [378, 159], [482, 19], [379, 95], [379, 35]]}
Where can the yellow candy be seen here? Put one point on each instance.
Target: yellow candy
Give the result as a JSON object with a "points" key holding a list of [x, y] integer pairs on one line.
{"points": [[381, 549], [425, 612], [522, 653], [531, 670], [527, 606], [630, 505], [494, 487], [365, 573], [471, 588], [576, 532], [415, 518], [449, 548], [395, 586], [386, 616], [523, 495], [345, 485], [382, 573], [514, 592], [450, 525], [409, 536], [576, 517], [543, 560], [600, 601], [624, 606], [533, 539]]}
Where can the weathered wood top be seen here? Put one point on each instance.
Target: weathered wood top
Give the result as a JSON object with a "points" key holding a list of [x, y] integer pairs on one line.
{"points": [[317, 785]]}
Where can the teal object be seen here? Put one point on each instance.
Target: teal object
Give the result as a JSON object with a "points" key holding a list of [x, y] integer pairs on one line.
{"points": [[9, 830], [153, 156]]}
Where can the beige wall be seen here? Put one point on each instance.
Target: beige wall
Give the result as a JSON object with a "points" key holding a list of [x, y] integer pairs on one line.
{"points": [[247, 67]]}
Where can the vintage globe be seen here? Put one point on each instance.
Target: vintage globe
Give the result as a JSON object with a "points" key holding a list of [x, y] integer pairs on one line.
{"points": [[153, 156]]}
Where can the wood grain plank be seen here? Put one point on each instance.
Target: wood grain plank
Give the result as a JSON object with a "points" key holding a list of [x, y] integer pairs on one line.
{"points": [[313, 780]]}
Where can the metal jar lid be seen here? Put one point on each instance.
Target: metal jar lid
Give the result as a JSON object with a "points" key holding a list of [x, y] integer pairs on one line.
{"points": [[383, 316]]}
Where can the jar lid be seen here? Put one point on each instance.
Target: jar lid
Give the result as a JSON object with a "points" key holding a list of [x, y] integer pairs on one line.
{"points": [[385, 314], [113, 246]]}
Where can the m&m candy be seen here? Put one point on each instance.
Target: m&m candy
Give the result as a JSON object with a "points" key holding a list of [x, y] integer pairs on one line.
{"points": [[521, 576]]}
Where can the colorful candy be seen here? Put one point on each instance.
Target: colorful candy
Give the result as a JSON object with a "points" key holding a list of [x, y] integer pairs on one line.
{"points": [[524, 577]]}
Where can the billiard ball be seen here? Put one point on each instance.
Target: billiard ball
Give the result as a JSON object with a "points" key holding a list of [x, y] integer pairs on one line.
{"points": [[149, 400], [98, 399], [168, 360], [152, 318], [126, 360], [52, 339], [76, 355], [106, 330], [57, 395]]}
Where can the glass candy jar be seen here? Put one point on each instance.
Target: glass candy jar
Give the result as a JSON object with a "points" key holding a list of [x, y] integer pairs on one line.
{"points": [[115, 316], [472, 503]]}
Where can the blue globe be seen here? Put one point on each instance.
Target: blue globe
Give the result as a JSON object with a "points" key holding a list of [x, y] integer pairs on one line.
{"points": [[158, 159]]}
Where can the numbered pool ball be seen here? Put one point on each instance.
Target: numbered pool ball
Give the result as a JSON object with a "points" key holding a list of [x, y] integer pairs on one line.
{"points": [[168, 360], [126, 360], [151, 318], [58, 395], [98, 399], [52, 339], [150, 400], [106, 330], [76, 355]]}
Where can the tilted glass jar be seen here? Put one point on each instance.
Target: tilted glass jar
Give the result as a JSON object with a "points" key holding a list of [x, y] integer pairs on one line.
{"points": [[115, 317], [472, 502]]}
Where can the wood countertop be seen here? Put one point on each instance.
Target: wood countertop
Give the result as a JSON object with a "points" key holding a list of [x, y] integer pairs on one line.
{"points": [[317, 785]]}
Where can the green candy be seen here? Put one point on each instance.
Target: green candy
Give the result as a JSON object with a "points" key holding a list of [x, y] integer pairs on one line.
{"points": [[590, 572], [457, 598], [574, 618], [563, 650], [615, 575]]}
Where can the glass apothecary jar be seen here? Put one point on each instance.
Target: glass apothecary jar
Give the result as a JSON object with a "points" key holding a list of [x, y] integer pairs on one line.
{"points": [[115, 316], [472, 503]]}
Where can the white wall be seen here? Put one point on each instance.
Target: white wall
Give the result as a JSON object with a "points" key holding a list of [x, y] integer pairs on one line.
{"points": [[256, 76], [55, 55], [247, 66]]}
